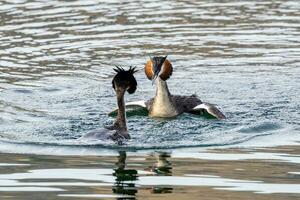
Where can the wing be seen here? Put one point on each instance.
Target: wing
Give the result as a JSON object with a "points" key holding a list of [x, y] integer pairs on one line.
{"points": [[132, 108], [192, 104], [98, 136], [185, 103], [210, 109]]}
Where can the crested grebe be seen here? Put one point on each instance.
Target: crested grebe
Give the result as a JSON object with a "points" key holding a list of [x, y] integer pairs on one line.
{"points": [[123, 81], [164, 104]]}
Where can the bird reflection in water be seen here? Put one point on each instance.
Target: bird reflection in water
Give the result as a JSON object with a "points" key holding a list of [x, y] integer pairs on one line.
{"points": [[162, 167], [125, 178]]}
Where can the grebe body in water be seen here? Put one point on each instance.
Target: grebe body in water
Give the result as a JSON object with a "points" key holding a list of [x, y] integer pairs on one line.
{"points": [[164, 104], [123, 81]]}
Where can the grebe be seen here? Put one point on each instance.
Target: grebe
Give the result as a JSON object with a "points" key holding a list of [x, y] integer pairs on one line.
{"points": [[166, 105], [123, 81]]}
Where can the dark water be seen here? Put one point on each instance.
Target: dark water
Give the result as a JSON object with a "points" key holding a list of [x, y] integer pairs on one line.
{"points": [[225, 174], [56, 61]]}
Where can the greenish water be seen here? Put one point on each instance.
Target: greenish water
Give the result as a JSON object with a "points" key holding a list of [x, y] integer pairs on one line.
{"points": [[56, 61]]}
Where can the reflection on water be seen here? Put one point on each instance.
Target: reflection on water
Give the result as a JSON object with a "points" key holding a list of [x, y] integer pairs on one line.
{"points": [[124, 178], [161, 167], [56, 60], [154, 175]]}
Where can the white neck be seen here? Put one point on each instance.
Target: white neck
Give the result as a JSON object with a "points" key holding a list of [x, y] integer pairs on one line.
{"points": [[162, 104], [162, 90]]}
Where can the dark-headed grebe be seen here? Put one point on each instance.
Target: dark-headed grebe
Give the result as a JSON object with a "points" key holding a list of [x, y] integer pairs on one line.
{"points": [[123, 81]]}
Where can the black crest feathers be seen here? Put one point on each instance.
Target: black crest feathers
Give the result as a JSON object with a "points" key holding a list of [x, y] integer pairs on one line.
{"points": [[131, 70], [125, 79]]}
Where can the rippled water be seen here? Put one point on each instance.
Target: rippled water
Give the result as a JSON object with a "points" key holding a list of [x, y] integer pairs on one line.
{"points": [[56, 61]]}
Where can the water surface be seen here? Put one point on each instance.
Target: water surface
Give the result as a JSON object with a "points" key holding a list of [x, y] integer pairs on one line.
{"points": [[213, 174], [56, 61]]}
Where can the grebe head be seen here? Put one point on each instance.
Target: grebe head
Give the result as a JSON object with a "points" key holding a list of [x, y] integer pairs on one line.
{"points": [[124, 80], [158, 66]]}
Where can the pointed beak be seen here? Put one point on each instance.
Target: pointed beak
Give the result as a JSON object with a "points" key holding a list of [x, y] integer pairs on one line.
{"points": [[156, 70], [154, 78]]}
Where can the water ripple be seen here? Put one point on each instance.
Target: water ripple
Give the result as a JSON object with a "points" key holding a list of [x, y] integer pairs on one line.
{"points": [[57, 57]]}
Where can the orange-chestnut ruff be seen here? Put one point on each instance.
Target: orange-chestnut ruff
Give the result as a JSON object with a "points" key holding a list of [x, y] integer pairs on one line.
{"points": [[166, 67]]}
